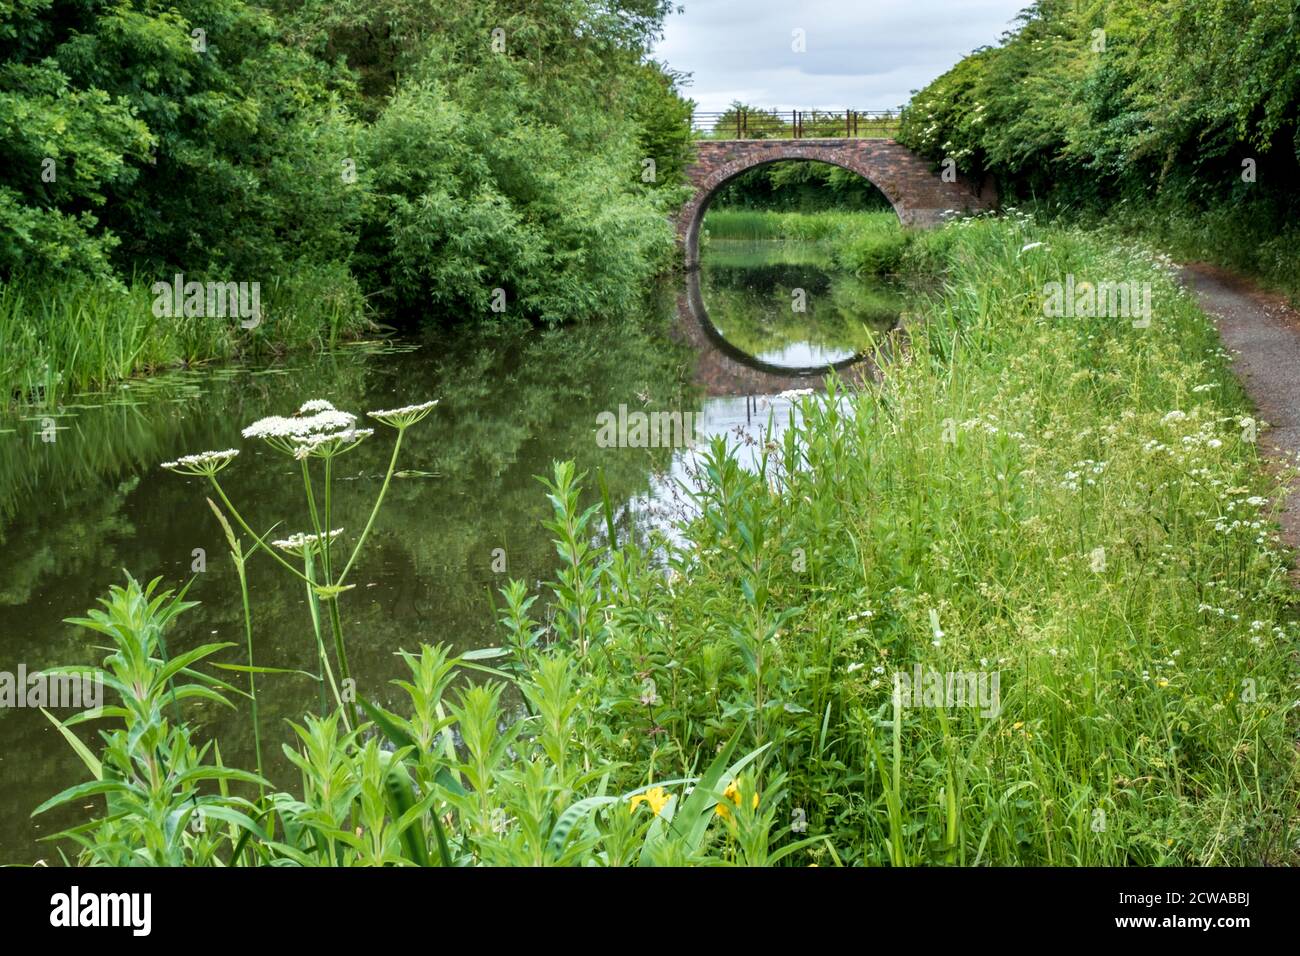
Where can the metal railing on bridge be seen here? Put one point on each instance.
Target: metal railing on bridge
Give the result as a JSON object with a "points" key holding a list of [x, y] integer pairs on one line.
{"points": [[795, 124]]}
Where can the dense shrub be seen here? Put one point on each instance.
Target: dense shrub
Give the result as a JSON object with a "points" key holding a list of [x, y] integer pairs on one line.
{"points": [[470, 202], [419, 155], [1146, 113]]}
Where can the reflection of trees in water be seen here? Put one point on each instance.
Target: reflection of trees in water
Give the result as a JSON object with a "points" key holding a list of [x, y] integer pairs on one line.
{"points": [[751, 306], [509, 405], [765, 278], [96, 502]]}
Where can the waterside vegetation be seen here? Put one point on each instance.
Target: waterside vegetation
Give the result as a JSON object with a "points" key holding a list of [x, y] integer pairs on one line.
{"points": [[1075, 505]]}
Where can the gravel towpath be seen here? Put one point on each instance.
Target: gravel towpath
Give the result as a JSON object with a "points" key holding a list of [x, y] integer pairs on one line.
{"points": [[1262, 332]]}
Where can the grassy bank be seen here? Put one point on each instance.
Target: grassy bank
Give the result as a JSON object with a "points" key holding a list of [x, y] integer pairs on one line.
{"points": [[1074, 507], [864, 243], [62, 339], [1254, 240]]}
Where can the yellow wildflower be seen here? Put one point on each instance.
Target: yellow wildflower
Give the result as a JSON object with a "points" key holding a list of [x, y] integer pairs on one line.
{"points": [[732, 793], [656, 797]]}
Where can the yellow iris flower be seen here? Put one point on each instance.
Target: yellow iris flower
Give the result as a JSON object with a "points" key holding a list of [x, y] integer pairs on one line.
{"points": [[732, 793], [656, 797]]}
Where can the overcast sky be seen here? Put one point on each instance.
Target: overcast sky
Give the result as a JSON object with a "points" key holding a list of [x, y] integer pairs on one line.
{"points": [[860, 54]]}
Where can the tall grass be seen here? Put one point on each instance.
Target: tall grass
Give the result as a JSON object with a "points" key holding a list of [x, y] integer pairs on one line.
{"points": [[1255, 240], [56, 340], [863, 243], [1075, 504], [724, 223]]}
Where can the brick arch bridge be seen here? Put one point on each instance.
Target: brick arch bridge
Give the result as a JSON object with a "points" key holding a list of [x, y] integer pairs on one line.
{"points": [[918, 194]]}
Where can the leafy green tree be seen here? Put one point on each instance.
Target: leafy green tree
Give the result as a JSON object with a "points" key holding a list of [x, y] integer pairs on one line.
{"points": [[182, 136], [436, 151], [1125, 98], [664, 118], [471, 203]]}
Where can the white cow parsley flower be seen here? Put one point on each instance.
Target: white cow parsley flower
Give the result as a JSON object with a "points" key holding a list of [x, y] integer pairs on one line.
{"points": [[204, 464], [404, 417]]}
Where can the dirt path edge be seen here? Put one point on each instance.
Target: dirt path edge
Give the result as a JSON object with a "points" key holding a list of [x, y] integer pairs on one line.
{"points": [[1261, 331]]}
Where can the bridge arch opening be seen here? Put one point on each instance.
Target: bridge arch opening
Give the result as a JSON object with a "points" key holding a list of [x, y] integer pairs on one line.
{"points": [[800, 185], [804, 186], [918, 193], [716, 186], [772, 283]]}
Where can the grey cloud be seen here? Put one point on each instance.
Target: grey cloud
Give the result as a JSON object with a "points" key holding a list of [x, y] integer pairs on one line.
{"points": [[865, 55]]}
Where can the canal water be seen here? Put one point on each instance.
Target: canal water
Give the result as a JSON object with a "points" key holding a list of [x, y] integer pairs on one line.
{"points": [[785, 305], [83, 499]]}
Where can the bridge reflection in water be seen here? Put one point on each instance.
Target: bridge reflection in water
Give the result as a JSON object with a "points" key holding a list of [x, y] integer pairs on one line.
{"points": [[754, 342]]}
